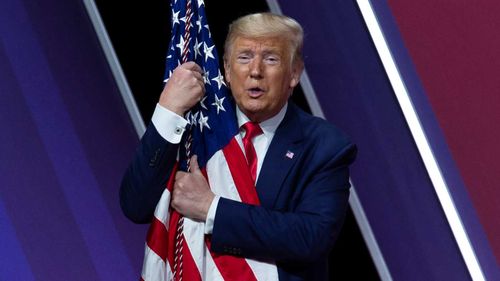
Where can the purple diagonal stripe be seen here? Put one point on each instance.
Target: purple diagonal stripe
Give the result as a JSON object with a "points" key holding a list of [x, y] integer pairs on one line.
{"points": [[13, 266], [32, 198], [63, 148]]}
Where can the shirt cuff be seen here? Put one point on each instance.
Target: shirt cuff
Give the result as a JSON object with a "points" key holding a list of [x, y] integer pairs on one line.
{"points": [[209, 222], [168, 124]]}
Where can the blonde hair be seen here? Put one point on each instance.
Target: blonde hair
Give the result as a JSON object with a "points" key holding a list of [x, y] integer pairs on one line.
{"points": [[267, 25]]}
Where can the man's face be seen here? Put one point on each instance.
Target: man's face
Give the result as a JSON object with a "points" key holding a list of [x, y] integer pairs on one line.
{"points": [[261, 75]]}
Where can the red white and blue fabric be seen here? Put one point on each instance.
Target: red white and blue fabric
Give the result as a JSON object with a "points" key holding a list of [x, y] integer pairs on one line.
{"points": [[214, 131]]}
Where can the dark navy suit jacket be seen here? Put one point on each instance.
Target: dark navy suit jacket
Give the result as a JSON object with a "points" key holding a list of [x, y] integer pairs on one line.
{"points": [[303, 198]]}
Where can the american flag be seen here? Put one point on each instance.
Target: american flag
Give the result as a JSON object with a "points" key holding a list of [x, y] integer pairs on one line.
{"points": [[213, 134]]}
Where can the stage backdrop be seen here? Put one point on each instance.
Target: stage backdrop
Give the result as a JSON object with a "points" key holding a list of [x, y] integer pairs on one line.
{"points": [[67, 137]]}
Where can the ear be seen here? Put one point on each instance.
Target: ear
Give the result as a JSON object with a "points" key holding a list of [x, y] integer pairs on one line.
{"points": [[296, 72], [227, 72]]}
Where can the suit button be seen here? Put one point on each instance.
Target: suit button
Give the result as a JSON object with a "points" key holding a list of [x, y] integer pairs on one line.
{"points": [[154, 160]]}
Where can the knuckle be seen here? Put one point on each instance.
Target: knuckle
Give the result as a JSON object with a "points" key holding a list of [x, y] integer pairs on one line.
{"points": [[201, 88], [179, 186], [174, 204], [175, 195]]}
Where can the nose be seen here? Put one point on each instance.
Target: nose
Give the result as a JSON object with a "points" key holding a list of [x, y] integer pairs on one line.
{"points": [[256, 68]]}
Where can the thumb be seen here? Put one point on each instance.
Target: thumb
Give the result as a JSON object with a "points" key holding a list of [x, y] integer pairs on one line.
{"points": [[194, 167]]}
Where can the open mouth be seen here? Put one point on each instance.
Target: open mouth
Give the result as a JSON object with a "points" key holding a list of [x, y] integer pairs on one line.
{"points": [[255, 92]]}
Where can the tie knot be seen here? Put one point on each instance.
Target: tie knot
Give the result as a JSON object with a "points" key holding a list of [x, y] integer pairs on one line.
{"points": [[252, 130]]}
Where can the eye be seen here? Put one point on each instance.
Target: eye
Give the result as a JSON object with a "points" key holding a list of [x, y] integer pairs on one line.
{"points": [[272, 59], [243, 58]]}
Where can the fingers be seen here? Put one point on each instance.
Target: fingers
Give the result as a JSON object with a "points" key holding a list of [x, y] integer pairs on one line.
{"points": [[193, 75], [191, 195], [198, 76], [191, 65], [194, 166], [179, 175], [185, 88], [197, 73]]}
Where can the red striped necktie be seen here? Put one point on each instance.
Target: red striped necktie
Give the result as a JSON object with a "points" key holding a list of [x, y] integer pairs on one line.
{"points": [[251, 130]]}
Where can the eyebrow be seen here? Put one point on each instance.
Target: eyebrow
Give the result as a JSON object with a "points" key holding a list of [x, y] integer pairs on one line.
{"points": [[265, 51]]}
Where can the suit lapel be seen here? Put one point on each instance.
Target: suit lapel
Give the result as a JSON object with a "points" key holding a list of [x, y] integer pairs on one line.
{"points": [[283, 152]]}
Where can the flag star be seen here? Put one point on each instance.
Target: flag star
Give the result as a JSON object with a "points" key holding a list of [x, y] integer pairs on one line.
{"points": [[184, 19], [203, 121], [219, 79], [196, 48], [202, 102], [175, 18], [194, 118], [218, 104], [200, 2], [208, 51], [188, 117], [181, 44], [198, 23], [206, 77], [208, 29]]}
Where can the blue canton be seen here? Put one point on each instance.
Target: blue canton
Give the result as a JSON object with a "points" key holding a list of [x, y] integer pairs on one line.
{"points": [[212, 122]]}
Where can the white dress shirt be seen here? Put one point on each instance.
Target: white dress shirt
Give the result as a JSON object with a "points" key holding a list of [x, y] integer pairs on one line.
{"points": [[171, 127]]}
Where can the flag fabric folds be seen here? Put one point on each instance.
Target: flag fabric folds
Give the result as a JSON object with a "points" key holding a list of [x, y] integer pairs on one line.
{"points": [[213, 137]]}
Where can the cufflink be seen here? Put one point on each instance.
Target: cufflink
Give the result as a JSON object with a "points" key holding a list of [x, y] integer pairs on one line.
{"points": [[178, 130]]}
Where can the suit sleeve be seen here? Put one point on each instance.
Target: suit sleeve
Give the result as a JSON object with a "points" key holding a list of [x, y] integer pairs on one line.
{"points": [[146, 177], [305, 233]]}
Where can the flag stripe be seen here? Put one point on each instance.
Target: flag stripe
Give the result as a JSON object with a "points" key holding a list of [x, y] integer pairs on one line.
{"points": [[161, 213], [240, 173], [231, 267], [174, 219], [154, 268], [263, 270], [220, 179], [189, 270], [194, 233], [171, 179], [212, 273], [159, 246]]}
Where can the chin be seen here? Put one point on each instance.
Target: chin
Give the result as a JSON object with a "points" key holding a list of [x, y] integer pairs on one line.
{"points": [[251, 107]]}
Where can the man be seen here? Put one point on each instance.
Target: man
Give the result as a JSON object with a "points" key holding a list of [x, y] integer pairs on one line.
{"points": [[300, 162]]}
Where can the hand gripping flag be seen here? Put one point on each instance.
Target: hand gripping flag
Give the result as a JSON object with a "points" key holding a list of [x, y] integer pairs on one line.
{"points": [[176, 247]]}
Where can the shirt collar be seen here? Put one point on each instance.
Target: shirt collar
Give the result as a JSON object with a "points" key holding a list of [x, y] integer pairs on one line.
{"points": [[268, 126]]}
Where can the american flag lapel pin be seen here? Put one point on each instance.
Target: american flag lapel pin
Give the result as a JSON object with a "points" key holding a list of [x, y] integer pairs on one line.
{"points": [[289, 154]]}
